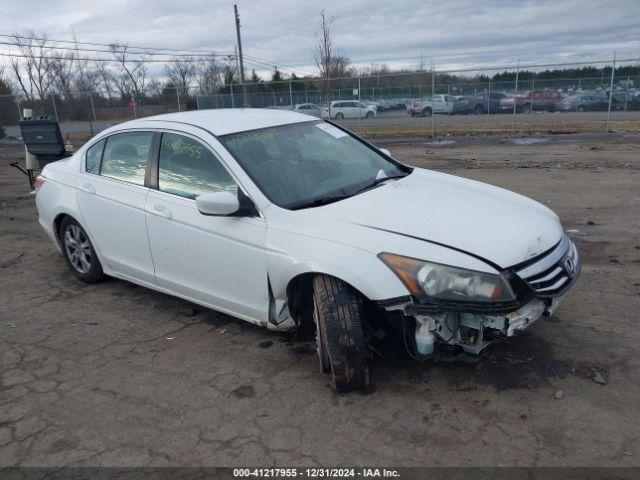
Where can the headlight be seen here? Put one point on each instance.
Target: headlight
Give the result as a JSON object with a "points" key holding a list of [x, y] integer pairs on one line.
{"points": [[443, 282]]}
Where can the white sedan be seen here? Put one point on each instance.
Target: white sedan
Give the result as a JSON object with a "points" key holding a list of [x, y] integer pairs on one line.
{"points": [[285, 220]]}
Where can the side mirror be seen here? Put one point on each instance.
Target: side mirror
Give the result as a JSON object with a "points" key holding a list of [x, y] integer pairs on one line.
{"points": [[385, 151], [218, 203]]}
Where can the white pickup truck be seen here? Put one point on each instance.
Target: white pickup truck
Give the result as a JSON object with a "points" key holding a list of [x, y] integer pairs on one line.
{"points": [[433, 104]]}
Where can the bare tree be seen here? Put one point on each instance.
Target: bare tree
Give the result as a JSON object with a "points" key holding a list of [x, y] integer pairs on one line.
{"points": [[32, 70], [134, 71], [327, 56], [181, 72], [209, 75], [105, 79], [62, 70], [5, 84]]}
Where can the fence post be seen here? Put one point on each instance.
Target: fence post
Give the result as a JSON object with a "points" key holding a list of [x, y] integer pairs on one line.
{"points": [[489, 99], [613, 69], [93, 108], [359, 104], [55, 109], [197, 102], [178, 97], [290, 95], [515, 100], [626, 93], [433, 91], [233, 105]]}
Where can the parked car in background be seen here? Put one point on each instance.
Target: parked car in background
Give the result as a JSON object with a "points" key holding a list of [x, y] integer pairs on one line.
{"points": [[308, 108], [582, 102], [290, 222], [530, 101], [339, 109], [486, 102], [426, 106], [478, 104]]}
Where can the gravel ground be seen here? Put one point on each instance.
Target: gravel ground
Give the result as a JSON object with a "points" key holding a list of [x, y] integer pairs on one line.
{"points": [[117, 375]]}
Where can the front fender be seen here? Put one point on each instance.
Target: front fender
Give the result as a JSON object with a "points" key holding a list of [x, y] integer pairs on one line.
{"points": [[290, 256]]}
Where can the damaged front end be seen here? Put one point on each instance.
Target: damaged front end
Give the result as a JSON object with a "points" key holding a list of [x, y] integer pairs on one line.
{"points": [[449, 328]]}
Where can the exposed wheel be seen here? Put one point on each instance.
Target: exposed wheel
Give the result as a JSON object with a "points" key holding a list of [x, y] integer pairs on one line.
{"points": [[478, 110], [340, 338], [78, 252], [339, 116], [426, 112], [369, 115], [526, 108]]}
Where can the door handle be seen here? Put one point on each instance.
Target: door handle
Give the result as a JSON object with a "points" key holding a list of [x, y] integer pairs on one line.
{"points": [[87, 187], [162, 211]]}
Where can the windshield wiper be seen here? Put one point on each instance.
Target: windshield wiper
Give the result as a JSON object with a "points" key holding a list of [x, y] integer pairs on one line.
{"points": [[336, 198], [378, 181], [320, 201]]}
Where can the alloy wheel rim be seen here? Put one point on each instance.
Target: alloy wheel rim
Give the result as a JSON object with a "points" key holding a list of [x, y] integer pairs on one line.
{"points": [[78, 248]]}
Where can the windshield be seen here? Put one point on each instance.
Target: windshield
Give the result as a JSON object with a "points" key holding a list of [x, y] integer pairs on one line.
{"points": [[303, 164]]}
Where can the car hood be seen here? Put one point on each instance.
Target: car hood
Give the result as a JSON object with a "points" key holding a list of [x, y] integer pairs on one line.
{"points": [[497, 225]]}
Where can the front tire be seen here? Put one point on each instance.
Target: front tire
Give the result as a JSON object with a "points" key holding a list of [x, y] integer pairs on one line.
{"points": [[369, 115], [341, 346], [426, 112], [339, 116], [78, 252]]}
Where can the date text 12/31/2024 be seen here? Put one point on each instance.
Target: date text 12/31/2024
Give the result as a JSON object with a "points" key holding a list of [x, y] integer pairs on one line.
{"points": [[315, 473]]}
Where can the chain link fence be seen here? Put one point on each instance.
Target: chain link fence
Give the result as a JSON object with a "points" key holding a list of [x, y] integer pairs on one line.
{"points": [[403, 99]]}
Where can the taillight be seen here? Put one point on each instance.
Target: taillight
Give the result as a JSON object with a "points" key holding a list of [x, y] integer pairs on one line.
{"points": [[40, 182]]}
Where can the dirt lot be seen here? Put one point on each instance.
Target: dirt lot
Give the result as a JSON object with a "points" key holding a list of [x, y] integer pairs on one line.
{"points": [[114, 374]]}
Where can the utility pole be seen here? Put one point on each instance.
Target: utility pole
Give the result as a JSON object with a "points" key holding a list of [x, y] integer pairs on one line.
{"points": [[244, 87]]}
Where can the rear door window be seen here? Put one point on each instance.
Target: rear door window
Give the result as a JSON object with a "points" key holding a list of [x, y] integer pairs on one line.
{"points": [[125, 156]]}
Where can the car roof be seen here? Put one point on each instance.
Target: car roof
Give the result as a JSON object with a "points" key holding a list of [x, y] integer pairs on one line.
{"points": [[223, 121]]}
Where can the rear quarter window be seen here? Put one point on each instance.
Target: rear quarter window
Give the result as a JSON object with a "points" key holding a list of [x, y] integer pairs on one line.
{"points": [[93, 157]]}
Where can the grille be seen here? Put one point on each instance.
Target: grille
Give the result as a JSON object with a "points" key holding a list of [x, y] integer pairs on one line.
{"points": [[550, 274]]}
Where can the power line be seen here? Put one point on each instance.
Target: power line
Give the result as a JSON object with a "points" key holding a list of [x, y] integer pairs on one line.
{"points": [[151, 51], [54, 57], [94, 44], [121, 49]]}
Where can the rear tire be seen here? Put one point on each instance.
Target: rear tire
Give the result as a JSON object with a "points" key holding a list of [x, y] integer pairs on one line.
{"points": [[369, 115], [526, 108], [78, 252], [339, 116], [426, 112], [341, 346], [581, 109]]}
